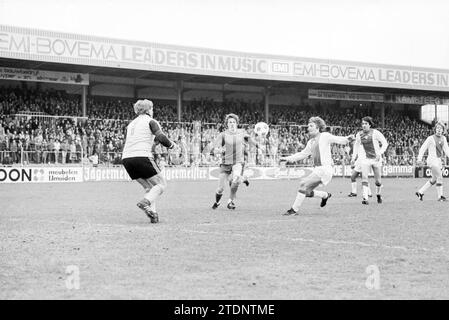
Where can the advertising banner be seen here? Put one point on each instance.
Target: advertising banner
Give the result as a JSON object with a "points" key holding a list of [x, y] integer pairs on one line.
{"points": [[186, 173], [343, 95], [387, 171], [170, 173], [79, 174], [426, 172], [43, 76], [105, 174], [41, 174], [267, 173], [413, 99]]}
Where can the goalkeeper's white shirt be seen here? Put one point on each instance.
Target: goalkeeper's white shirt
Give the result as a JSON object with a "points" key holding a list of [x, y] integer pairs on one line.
{"points": [[139, 138], [319, 149], [437, 147]]}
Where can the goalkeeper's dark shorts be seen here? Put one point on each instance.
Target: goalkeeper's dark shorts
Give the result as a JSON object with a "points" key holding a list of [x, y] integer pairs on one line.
{"points": [[141, 167]]}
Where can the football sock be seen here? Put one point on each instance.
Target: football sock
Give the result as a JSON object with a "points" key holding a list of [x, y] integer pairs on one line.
{"points": [[154, 193], [354, 187], [365, 191], [298, 201], [425, 187], [153, 206], [218, 197], [378, 188], [439, 190], [234, 188], [320, 194]]}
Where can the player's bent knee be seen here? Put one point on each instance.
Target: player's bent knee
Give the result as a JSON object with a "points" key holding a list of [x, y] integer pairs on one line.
{"points": [[220, 190], [309, 193], [237, 179], [378, 183], [302, 188], [162, 187]]}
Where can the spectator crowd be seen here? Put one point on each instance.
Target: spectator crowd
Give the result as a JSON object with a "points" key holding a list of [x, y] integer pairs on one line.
{"points": [[33, 137]]}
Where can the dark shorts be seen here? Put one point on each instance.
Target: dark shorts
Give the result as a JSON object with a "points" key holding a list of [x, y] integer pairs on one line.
{"points": [[141, 167]]}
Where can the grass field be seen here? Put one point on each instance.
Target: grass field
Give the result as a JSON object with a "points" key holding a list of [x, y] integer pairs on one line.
{"points": [[196, 253]]}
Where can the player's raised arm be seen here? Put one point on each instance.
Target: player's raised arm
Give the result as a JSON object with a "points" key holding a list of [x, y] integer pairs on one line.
{"points": [[339, 139], [160, 136], [304, 154]]}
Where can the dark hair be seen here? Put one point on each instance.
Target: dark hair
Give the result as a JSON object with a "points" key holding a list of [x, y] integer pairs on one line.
{"points": [[369, 120], [231, 116]]}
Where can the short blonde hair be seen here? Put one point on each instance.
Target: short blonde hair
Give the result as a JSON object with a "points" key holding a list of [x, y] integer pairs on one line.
{"points": [[143, 106], [321, 125]]}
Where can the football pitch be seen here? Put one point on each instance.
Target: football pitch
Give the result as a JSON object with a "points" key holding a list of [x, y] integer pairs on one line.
{"points": [[51, 233]]}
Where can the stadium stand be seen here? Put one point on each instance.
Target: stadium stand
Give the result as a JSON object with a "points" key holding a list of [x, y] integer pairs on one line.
{"points": [[38, 126]]}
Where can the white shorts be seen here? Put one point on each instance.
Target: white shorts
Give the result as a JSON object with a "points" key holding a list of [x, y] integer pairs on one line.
{"points": [[358, 166], [372, 162], [325, 173], [436, 167], [235, 169], [434, 163]]}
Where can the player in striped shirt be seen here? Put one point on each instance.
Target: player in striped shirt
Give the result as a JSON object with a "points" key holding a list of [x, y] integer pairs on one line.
{"points": [[357, 171], [437, 147], [138, 159], [319, 149], [232, 141], [368, 139]]}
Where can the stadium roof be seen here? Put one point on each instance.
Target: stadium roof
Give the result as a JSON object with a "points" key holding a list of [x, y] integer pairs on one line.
{"points": [[276, 86]]}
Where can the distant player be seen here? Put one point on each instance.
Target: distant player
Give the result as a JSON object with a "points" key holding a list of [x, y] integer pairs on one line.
{"points": [[357, 171], [232, 141], [437, 146], [138, 159], [319, 149], [245, 179], [369, 140]]}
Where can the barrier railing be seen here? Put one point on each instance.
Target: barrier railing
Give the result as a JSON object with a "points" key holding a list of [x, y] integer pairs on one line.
{"points": [[167, 157], [26, 158]]}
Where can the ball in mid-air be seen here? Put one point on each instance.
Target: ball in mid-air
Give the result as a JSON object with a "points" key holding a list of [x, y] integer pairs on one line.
{"points": [[261, 128]]}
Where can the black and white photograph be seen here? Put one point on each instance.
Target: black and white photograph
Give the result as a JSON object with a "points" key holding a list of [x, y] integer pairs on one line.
{"points": [[227, 151]]}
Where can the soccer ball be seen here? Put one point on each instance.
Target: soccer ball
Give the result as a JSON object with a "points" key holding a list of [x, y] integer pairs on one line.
{"points": [[261, 129]]}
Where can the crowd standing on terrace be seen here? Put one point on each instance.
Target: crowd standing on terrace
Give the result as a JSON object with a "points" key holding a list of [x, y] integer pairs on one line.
{"points": [[28, 135]]}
